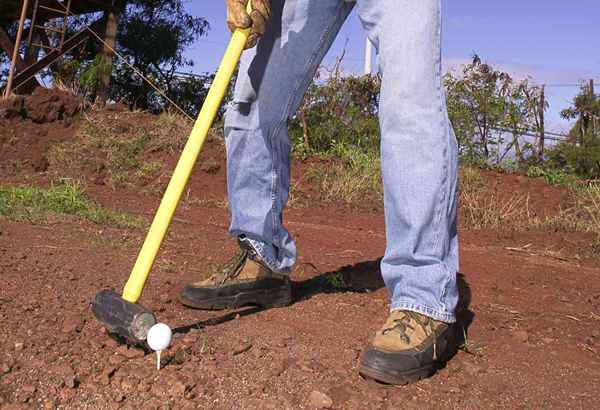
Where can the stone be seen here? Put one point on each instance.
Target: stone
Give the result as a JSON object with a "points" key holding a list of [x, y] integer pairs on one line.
{"points": [[72, 324], [19, 346], [210, 166], [320, 400], [116, 359], [107, 373], [520, 336], [130, 353]]}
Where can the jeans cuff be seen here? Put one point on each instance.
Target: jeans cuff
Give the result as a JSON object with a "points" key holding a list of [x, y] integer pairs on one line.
{"points": [[266, 254], [424, 310]]}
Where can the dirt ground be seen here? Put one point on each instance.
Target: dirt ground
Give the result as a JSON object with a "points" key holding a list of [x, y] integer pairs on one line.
{"points": [[530, 307]]}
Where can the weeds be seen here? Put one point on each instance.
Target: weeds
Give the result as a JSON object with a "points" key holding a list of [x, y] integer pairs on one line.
{"points": [[118, 149], [486, 210], [470, 180], [552, 176], [336, 281], [36, 205], [583, 215], [355, 178]]}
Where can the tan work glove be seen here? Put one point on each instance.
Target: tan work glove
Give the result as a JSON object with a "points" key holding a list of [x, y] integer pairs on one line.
{"points": [[237, 17]]}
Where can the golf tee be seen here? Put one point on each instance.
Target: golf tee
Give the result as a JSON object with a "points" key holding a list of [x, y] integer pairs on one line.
{"points": [[158, 359]]}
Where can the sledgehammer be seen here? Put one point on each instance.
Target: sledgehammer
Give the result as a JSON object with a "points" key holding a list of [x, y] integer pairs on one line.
{"points": [[121, 314]]}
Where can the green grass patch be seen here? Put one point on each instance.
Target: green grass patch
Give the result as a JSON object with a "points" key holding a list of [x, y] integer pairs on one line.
{"points": [[552, 176], [36, 205]]}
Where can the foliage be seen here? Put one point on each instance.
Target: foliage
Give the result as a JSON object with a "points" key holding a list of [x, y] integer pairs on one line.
{"points": [[35, 205], [581, 152], [154, 36], [338, 111], [486, 106], [552, 176]]}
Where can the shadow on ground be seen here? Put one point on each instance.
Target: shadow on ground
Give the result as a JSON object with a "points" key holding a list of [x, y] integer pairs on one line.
{"points": [[363, 277]]}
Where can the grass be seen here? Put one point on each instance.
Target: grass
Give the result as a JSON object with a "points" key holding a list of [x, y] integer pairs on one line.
{"points": [[36, 205], [118, 149], [583, 215], [355, 178], [486, 210]]}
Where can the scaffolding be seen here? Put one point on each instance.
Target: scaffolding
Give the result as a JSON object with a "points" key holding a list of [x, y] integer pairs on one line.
{"points": [[48, 37]]}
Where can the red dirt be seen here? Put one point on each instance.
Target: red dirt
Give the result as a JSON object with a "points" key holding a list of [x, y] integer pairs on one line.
{"points": [[532, 316], [30, 125]]}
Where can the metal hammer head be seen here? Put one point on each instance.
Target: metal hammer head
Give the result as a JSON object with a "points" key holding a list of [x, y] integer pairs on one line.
{"points": [[128, 320]]}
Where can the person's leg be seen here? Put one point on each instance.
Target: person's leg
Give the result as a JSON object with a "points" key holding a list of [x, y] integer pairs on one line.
{"points": [[272, 80], [419, 170]]}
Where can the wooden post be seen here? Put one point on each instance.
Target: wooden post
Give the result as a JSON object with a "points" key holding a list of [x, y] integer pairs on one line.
{"points": [[11, 71], [110, 36], [542, 130]]}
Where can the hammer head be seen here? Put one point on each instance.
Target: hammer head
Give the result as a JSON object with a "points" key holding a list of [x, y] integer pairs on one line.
{"points": [[128, 320]]}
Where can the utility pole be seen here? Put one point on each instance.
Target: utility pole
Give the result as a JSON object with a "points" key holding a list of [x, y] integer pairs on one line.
{"points": [[542, 130], [15, 56], [592, 99], [368, 57]]}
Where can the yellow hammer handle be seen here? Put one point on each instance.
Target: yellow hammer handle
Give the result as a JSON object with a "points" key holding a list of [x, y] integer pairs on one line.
{"points": [[162, 219]]}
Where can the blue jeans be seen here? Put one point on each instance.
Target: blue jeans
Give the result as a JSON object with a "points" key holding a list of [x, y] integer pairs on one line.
{"points": [[418, 147]]}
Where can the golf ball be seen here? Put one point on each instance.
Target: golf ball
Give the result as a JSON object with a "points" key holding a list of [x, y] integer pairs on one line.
{"points": [[159, 337]]}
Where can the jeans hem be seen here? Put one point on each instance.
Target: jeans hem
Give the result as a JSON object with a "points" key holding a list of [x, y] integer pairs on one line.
{"points": [[259, 248], [424, 310]]}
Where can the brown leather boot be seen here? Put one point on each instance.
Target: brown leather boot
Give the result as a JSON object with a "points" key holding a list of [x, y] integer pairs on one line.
{"points": [[409, 347], [243, 280]]}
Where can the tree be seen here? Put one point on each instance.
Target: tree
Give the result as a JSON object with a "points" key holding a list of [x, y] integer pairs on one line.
{"points": [[486, 106], [581, 152], [153, 37]]}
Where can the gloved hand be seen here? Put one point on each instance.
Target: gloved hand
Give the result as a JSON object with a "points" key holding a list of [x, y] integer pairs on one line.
{"points": [[237, 17]]}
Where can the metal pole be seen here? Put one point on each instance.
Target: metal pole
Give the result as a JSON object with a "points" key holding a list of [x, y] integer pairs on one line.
{"points": [[368, 57], [542, 137], [11, 72]]}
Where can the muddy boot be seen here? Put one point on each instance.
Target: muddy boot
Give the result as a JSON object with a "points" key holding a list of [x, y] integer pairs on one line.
{"points": [[244, 280], [409, 347]]}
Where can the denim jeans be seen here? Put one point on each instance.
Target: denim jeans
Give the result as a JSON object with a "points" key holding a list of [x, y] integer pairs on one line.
{"points": [[418, 147]]}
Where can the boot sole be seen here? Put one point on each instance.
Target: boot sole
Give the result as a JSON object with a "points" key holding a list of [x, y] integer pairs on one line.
{"points": [[397, 379], [267, 298]]}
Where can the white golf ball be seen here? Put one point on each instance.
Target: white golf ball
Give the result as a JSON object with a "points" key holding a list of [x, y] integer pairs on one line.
{"points": [[159, 337]]}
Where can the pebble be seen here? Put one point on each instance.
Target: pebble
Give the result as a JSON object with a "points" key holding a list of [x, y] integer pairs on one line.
{"points": [[130, 353], [19, 346], [472, 369], [116, 359], [320, 400], [28, 388], [210, 166], [72, 324], [106, 375], [520, 336], [242, 349]]}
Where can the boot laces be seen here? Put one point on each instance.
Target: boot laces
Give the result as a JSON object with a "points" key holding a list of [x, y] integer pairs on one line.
{"points": [[230, 269], [403, 324]]}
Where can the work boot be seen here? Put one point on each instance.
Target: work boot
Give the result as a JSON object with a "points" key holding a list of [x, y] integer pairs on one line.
{"points": [[243, 280], [409, 347]]}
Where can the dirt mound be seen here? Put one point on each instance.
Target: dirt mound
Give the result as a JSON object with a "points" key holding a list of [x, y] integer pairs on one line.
{"points": [[44, 105], [30, 125]]}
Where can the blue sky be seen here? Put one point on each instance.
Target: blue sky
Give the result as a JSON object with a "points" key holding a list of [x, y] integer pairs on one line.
{"points": [[555, 42]]}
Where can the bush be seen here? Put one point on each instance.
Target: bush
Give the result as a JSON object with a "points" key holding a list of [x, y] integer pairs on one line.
{"points": [[339, 111]]}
